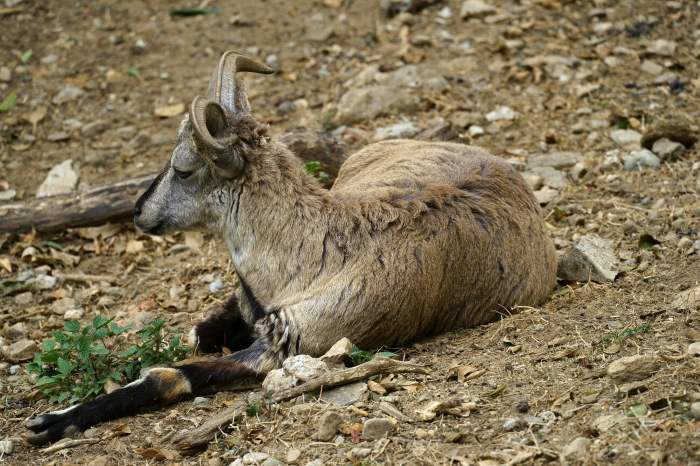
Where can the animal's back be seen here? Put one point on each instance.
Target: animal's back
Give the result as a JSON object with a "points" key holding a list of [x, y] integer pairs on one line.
{"points": [[466, 239]]}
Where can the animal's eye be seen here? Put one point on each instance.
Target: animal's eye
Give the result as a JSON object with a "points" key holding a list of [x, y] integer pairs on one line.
{"points": [[182, 174]]}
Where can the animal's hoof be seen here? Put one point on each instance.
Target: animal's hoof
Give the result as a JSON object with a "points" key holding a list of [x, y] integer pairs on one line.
{"points": [[53, 426]]}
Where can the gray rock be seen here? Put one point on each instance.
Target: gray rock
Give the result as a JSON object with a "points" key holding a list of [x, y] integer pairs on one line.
{"points": [[359, 453], [558, 160], [546, 195], [126, 132], [415, 76], [71, 124], [513, 423], [695, 410], [254, 457], [278, 380], [293, 455], [369, 102], [94, 128], [61, 179], [551, 177], [687, 300], [201, 401], [611, 161], [304, 367], [475, 131], [60, 306], [68, 94], [346, 395], [405, 129], [501, 113], [5, 74], [339, 352], [377, 428], [633, 368], [14, 369], [591, 258], [7, 446], [8, 195], [576, 449], [73, 314], [626, 137], [49, 59], [327, 426], [16, 331], [24, 298], [667, 149], [272, 462], [237, 462], [533, 180], [43, 282], [316, 462], [663, 47], [22, 350], [57, 136], [475, 8], [651, 67], [640, 159]]}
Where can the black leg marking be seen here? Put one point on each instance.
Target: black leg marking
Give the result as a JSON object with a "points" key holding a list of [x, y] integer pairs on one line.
{"points": [[161, 385]]}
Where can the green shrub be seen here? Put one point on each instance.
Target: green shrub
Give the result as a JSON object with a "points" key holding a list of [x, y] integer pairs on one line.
{"points": [[76, 363]]}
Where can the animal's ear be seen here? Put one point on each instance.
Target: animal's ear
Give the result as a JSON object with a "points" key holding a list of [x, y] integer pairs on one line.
{"points": [[226, 89], [210, 123]]}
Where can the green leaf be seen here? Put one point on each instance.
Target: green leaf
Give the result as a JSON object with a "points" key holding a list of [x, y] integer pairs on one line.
{"points": [[638, 410], [194, 11], [64, 367], [646, 241], [53, 245], [133, 72], [386, 354], [72, 326], [9, 102], [24, 58], [46, 380], [312, 167], [48, 344]]}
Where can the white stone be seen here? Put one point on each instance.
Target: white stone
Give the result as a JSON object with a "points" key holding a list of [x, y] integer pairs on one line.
{"points": [[640, 159], [68, 94], [278, 380], [304, 367], [61, 179], [7, 446], [694, 349], [369, 102], [404, 129], [73, 314], [339, 352], [472, 8], [650, 67], [476, 130], [501, 113], [626, 137], [663, 47], [254, 457], [576, 449]]}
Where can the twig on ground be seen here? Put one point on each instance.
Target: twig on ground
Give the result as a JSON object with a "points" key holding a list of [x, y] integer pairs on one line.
{"points": [[193, 439], [70, 443]]}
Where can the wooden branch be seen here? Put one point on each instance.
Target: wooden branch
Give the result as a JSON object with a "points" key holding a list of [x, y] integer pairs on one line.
{"points": [[115, 202], [70, 443], [188, 441]]}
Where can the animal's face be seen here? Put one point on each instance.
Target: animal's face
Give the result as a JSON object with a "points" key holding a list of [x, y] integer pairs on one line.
{"points": [[193, 190], [180, 198]]}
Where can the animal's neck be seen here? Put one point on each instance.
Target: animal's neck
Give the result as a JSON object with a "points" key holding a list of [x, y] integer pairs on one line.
{"points": [[277, 218]]}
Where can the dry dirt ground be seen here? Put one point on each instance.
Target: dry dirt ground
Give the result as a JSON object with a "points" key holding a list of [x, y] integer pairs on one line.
{"points": [[574, 71]]}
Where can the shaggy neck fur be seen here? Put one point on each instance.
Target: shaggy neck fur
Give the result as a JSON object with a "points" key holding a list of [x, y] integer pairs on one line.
{"points": [[275, 210]]}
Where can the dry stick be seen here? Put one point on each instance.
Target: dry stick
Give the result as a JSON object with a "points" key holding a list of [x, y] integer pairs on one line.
{"points": [[70, 443], [195, 438]]}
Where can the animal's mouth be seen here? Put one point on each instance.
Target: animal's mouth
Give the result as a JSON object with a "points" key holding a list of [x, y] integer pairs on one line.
{"points": [[156, 230]]}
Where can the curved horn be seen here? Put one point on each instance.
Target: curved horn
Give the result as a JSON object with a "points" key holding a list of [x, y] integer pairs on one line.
{"points": [[225, 88]]}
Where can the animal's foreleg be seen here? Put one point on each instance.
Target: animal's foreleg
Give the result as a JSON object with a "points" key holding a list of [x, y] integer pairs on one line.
{"points": [[223, 326], [159, 385]]}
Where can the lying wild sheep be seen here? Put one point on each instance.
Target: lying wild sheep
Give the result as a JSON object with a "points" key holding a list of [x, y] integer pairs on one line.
{"points": [[413, 239]]}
